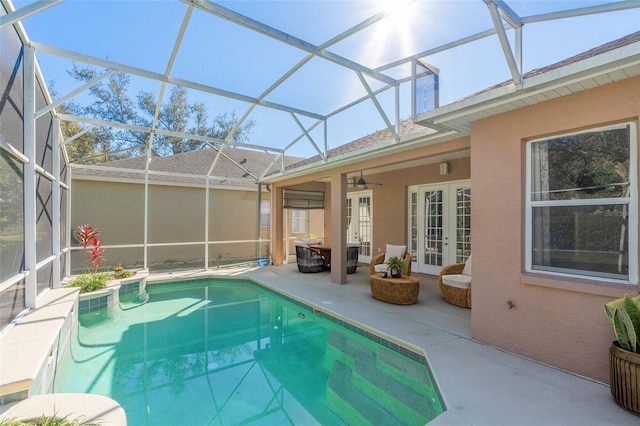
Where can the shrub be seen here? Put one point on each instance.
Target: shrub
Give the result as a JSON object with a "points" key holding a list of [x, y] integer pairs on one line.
{"points": [[91, 282], [119, 272]]}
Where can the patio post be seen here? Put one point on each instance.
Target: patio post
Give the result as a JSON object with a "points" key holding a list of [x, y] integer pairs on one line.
{"points": [[277, 225], [338, 228]]}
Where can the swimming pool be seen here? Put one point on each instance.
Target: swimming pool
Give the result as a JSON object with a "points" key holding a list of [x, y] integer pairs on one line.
{"points": [[227, 351]]}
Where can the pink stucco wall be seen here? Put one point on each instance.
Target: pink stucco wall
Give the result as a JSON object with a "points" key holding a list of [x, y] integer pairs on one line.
{"points": [[557, 321]]}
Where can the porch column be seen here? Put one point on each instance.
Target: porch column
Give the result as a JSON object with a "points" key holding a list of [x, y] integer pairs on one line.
{"points": [[277, 226], [338, 228]]}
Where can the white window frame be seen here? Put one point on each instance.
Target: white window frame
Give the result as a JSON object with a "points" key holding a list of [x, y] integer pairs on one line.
{"points": [[632, 203], [301, 219]]}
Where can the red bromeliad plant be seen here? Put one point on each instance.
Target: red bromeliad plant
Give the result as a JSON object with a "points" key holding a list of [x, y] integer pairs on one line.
{"points": [[96, 253], [87, 237]]}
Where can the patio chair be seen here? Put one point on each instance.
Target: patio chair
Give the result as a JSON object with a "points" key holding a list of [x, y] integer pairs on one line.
{"points": [[308, 260], [455, 283], [352, 257], [379, 262]]}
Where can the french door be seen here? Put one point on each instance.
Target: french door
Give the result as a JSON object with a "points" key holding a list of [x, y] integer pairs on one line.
{"points": [[439, 225], [360, 222]]}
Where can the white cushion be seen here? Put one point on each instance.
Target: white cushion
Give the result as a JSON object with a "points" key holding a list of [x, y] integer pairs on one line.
{"points": [[310, 240], [457, 280], [353, 244], [381, 267], [392, 251], [467, 267], [299, 243]]}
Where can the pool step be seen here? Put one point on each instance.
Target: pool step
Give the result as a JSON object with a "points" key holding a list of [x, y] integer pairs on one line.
{"points": [[352, 405], [412, 397]]}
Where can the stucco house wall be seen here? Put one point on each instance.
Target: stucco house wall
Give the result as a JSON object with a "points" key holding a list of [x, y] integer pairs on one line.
{"points": [[176, 214], [555, 320]]}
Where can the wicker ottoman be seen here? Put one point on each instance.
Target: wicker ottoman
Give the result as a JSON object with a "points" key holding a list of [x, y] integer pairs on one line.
{"points": [[401, 291]]}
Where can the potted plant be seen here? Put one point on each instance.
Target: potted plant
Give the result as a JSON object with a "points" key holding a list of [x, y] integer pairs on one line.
{"points": [[624, 353], [395, 266]]}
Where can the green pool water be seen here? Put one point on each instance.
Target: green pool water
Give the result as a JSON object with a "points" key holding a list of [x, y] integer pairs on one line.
{"points": [[232, 352]]}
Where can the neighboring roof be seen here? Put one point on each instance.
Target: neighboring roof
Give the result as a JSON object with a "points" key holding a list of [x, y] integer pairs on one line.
{"points": [[234, 168]]}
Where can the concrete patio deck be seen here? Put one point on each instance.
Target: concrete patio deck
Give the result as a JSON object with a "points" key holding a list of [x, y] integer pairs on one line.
{"points": [[481, 385]]}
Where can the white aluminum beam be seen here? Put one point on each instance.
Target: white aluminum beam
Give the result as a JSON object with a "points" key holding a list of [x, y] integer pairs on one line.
{"points": [[29, 129], [286, 38], [80, 133], [323, 154], [136, 128], [92, 60], [273, 165], [507, 13], [206, 224], [163, 85], [56, 194], [146, 222], [447, 46], [516, 74], [74, 93], [582, 11], [24, 12], [373, 98]]}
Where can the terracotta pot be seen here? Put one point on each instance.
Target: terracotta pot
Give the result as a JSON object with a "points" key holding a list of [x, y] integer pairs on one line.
{"points": [[624, 376]]}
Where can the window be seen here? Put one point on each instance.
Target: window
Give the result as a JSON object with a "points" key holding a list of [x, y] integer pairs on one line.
{"points": [[582, 204], [299, 221], [265, 213]]}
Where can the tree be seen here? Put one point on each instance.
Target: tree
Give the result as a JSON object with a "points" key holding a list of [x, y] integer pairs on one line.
{"points": [[177, 114]]}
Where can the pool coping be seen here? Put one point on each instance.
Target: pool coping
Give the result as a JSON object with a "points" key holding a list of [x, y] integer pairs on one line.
{"points": [[95, 408]]}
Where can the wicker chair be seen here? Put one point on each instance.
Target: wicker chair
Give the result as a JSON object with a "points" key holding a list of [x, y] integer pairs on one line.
{"points": [[379, 259], [309, 260], [457, 294]]}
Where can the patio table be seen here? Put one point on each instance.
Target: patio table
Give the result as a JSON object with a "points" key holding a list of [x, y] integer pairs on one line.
{"points": [[325, 251], [401, 291]]}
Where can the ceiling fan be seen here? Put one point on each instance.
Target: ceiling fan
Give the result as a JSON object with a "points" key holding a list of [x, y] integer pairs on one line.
{"points": [[361, 183]]}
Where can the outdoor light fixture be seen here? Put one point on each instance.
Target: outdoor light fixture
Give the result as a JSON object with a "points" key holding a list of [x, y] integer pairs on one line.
{"points": [[444, 169]]}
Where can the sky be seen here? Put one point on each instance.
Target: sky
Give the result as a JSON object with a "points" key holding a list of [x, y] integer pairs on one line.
{"points": [[216, 52]]}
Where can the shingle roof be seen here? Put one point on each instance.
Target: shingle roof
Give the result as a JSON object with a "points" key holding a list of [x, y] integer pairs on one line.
{"points": [[195, 163], [408, 127], [615, 44]]}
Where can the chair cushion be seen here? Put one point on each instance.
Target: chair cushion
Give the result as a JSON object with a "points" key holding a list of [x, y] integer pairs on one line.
{"points": [[310, 240], [392, 251], [467, 267], [457, 280], [299, 243], [381, 267]]}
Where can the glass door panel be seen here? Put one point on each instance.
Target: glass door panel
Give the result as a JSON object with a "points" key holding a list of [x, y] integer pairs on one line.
{"points": [[439, 225], [360, 222], [434, 236]]}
